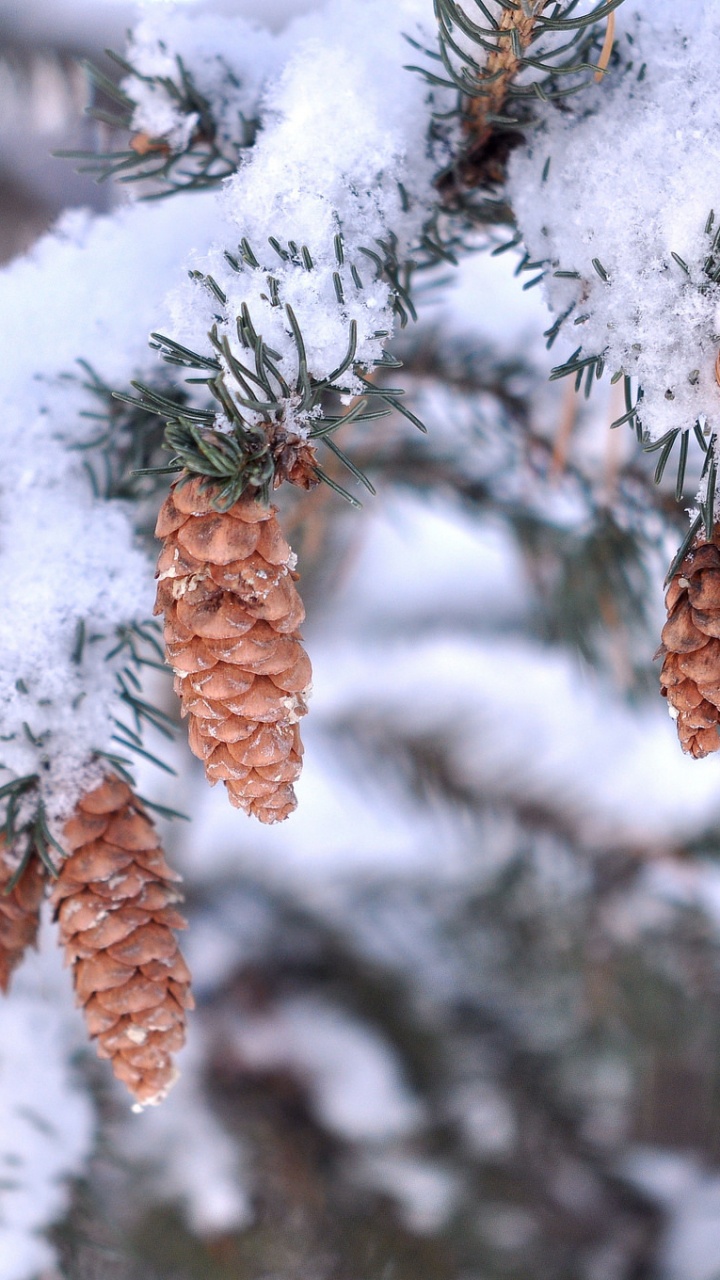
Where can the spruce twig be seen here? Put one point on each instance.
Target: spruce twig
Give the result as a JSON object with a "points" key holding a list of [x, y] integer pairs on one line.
{"points": [[515, 33]]}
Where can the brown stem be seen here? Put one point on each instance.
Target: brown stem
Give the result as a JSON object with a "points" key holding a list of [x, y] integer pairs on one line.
{"points": [[501, 67]]}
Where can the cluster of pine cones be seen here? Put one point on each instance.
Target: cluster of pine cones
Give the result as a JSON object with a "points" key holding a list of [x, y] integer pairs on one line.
{"points": [[226, 587]]}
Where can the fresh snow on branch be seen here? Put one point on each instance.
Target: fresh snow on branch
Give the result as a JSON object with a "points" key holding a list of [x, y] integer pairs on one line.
{"points": [[615, 193], [340, 170], [228, 59], [69, 564], [341, 161]]}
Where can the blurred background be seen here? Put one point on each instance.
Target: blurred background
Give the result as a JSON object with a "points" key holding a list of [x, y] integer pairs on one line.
{"points": [[458, 1017]]}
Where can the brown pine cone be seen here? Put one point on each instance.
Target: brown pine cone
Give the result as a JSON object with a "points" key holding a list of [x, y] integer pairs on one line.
{"points": [[19, 913], [232, 612], [690, 676], [115, 900]]}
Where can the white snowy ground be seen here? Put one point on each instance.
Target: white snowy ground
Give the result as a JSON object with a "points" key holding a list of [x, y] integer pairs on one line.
{"points": [[522, 718]]}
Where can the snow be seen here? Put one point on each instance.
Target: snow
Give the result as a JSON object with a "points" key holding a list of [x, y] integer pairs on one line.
{"points": [[352, 1075], [452, 550], [489, 1125], [632, 180], [426, 1191], [229, 61], [90, 290], [493, 697], [486, 297], [690, 1195], [344, 135]]}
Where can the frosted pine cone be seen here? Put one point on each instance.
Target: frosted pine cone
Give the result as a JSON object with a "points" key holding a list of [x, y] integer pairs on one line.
{"points": [[115, 904], [231, 616], [690, 676], [19, 913]]}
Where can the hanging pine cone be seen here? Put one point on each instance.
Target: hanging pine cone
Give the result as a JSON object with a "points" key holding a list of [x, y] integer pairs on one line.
{"points": [[226, 587], [690, 676], [19, 913], [115, 905]]}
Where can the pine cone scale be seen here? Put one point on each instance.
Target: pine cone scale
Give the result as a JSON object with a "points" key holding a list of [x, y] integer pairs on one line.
{"points": [[105, 799], [704, 590], [131, 997], [112, 929], [82, 829], [701, 665], [681, 633], [707, 623]]}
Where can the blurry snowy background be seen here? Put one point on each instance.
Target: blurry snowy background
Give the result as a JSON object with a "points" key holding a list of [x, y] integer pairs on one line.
{"points": [[459, 1016]]}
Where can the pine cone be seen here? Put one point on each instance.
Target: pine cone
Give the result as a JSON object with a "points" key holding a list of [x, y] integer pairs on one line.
{"points": [[231, 617], [115, 905], [690, 676], [19, 913]]}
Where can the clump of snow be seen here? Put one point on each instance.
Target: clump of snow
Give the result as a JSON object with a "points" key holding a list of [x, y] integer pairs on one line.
{"points": [[340, 166], [227, 59], [352, 1074], [485, 1113], [631, 181], [690, 1196]]}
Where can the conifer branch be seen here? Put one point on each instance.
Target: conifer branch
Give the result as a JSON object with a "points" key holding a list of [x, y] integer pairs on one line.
{"points": [[266, 428], [122, 458], [513, 36], [517, 60], [138, 644]]}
